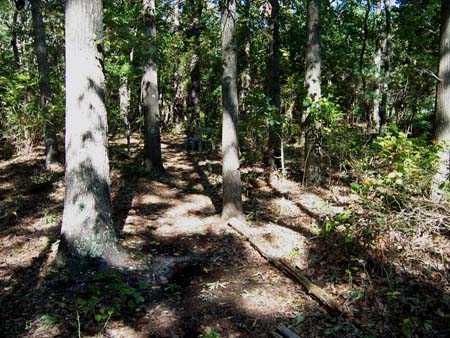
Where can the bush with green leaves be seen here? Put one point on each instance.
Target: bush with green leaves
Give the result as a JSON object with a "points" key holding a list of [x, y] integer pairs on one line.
{"points": [[396, 168], [108, 294]]}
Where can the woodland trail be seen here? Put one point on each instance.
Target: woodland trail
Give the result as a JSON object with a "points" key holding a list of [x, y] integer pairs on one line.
{"points": [[228, 290]]}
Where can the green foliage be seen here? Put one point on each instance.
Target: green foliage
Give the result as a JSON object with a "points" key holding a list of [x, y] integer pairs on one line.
{"points": [[108, 294], [396, 167], [326, 112]]}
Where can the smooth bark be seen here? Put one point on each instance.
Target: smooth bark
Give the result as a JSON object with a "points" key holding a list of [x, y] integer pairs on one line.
{"points": [[51, 148], [313, 136], [87, 230], [231, 176], [150, 96], [441, 134]]}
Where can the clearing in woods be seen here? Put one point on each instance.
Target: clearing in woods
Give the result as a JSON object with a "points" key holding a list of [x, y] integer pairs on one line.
{"points": [[201, 278]]}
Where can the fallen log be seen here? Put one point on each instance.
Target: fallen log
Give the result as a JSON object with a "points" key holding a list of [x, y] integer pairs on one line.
{"points": [[284, 332], [287, 267]]}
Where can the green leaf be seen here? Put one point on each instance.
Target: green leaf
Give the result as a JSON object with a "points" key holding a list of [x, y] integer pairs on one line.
{"points": [[355, 187]]}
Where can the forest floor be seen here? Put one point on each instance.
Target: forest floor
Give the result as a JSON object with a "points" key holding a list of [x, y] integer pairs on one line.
{"points": [[391, 283]]}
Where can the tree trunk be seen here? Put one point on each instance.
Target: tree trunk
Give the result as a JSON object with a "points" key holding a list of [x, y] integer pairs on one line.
{"points": [[441, 133], [386, 68], [313, 135], [364, 101], [51, 149], [124, 105], [87, 232], [194, 98], [150, 97], [273, 88], [232, 198], [14, 37], [375, 117]]}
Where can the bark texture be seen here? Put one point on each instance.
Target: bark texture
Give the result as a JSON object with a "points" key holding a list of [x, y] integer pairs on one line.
{"points": [[150, 97], [87, 232], [231, 175], [441, 132], [51, 149], [313, 136]]}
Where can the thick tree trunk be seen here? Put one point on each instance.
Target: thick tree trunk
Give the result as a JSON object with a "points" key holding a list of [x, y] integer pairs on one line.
{"points": [[51, 149], [150, 98], [231, 175], [313, 136], [273, 157], [87, 232], [441, 132]]}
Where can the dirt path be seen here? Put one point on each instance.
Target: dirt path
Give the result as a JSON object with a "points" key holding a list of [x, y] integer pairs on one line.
{"points": [[219, 285]]}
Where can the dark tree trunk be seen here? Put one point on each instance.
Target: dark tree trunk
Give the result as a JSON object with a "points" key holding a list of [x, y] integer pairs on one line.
{"points": [[364, 102], [313, 136], [150, 97], [273, 158], [231, 175], [51, 149], [87, 231], [196, 7], [441, 131]]}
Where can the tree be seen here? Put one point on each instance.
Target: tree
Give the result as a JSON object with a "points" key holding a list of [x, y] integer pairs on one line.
{"points": [[87, 233], [231, 175], [273, 88], [313, 134], [150, 96], [51, 148], [441, 133], [196, 8]]}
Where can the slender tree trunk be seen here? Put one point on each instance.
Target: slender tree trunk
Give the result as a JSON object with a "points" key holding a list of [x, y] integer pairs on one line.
{"points": [[375, 117], [124, 105], [176, 14], [386, 68], [87, 231], [441, 132], [231, 175], [14, 37], [51, 149], [364, 103], [273, 157], [194, 97], [313, 135], [150, 97]]}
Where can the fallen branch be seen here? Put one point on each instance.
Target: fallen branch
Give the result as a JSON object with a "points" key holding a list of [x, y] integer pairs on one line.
{"points": [[284, 332], [288, 268]]}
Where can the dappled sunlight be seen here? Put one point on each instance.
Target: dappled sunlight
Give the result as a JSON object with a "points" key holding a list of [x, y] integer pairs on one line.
{"points": [[191, 204], [184, 225]]}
